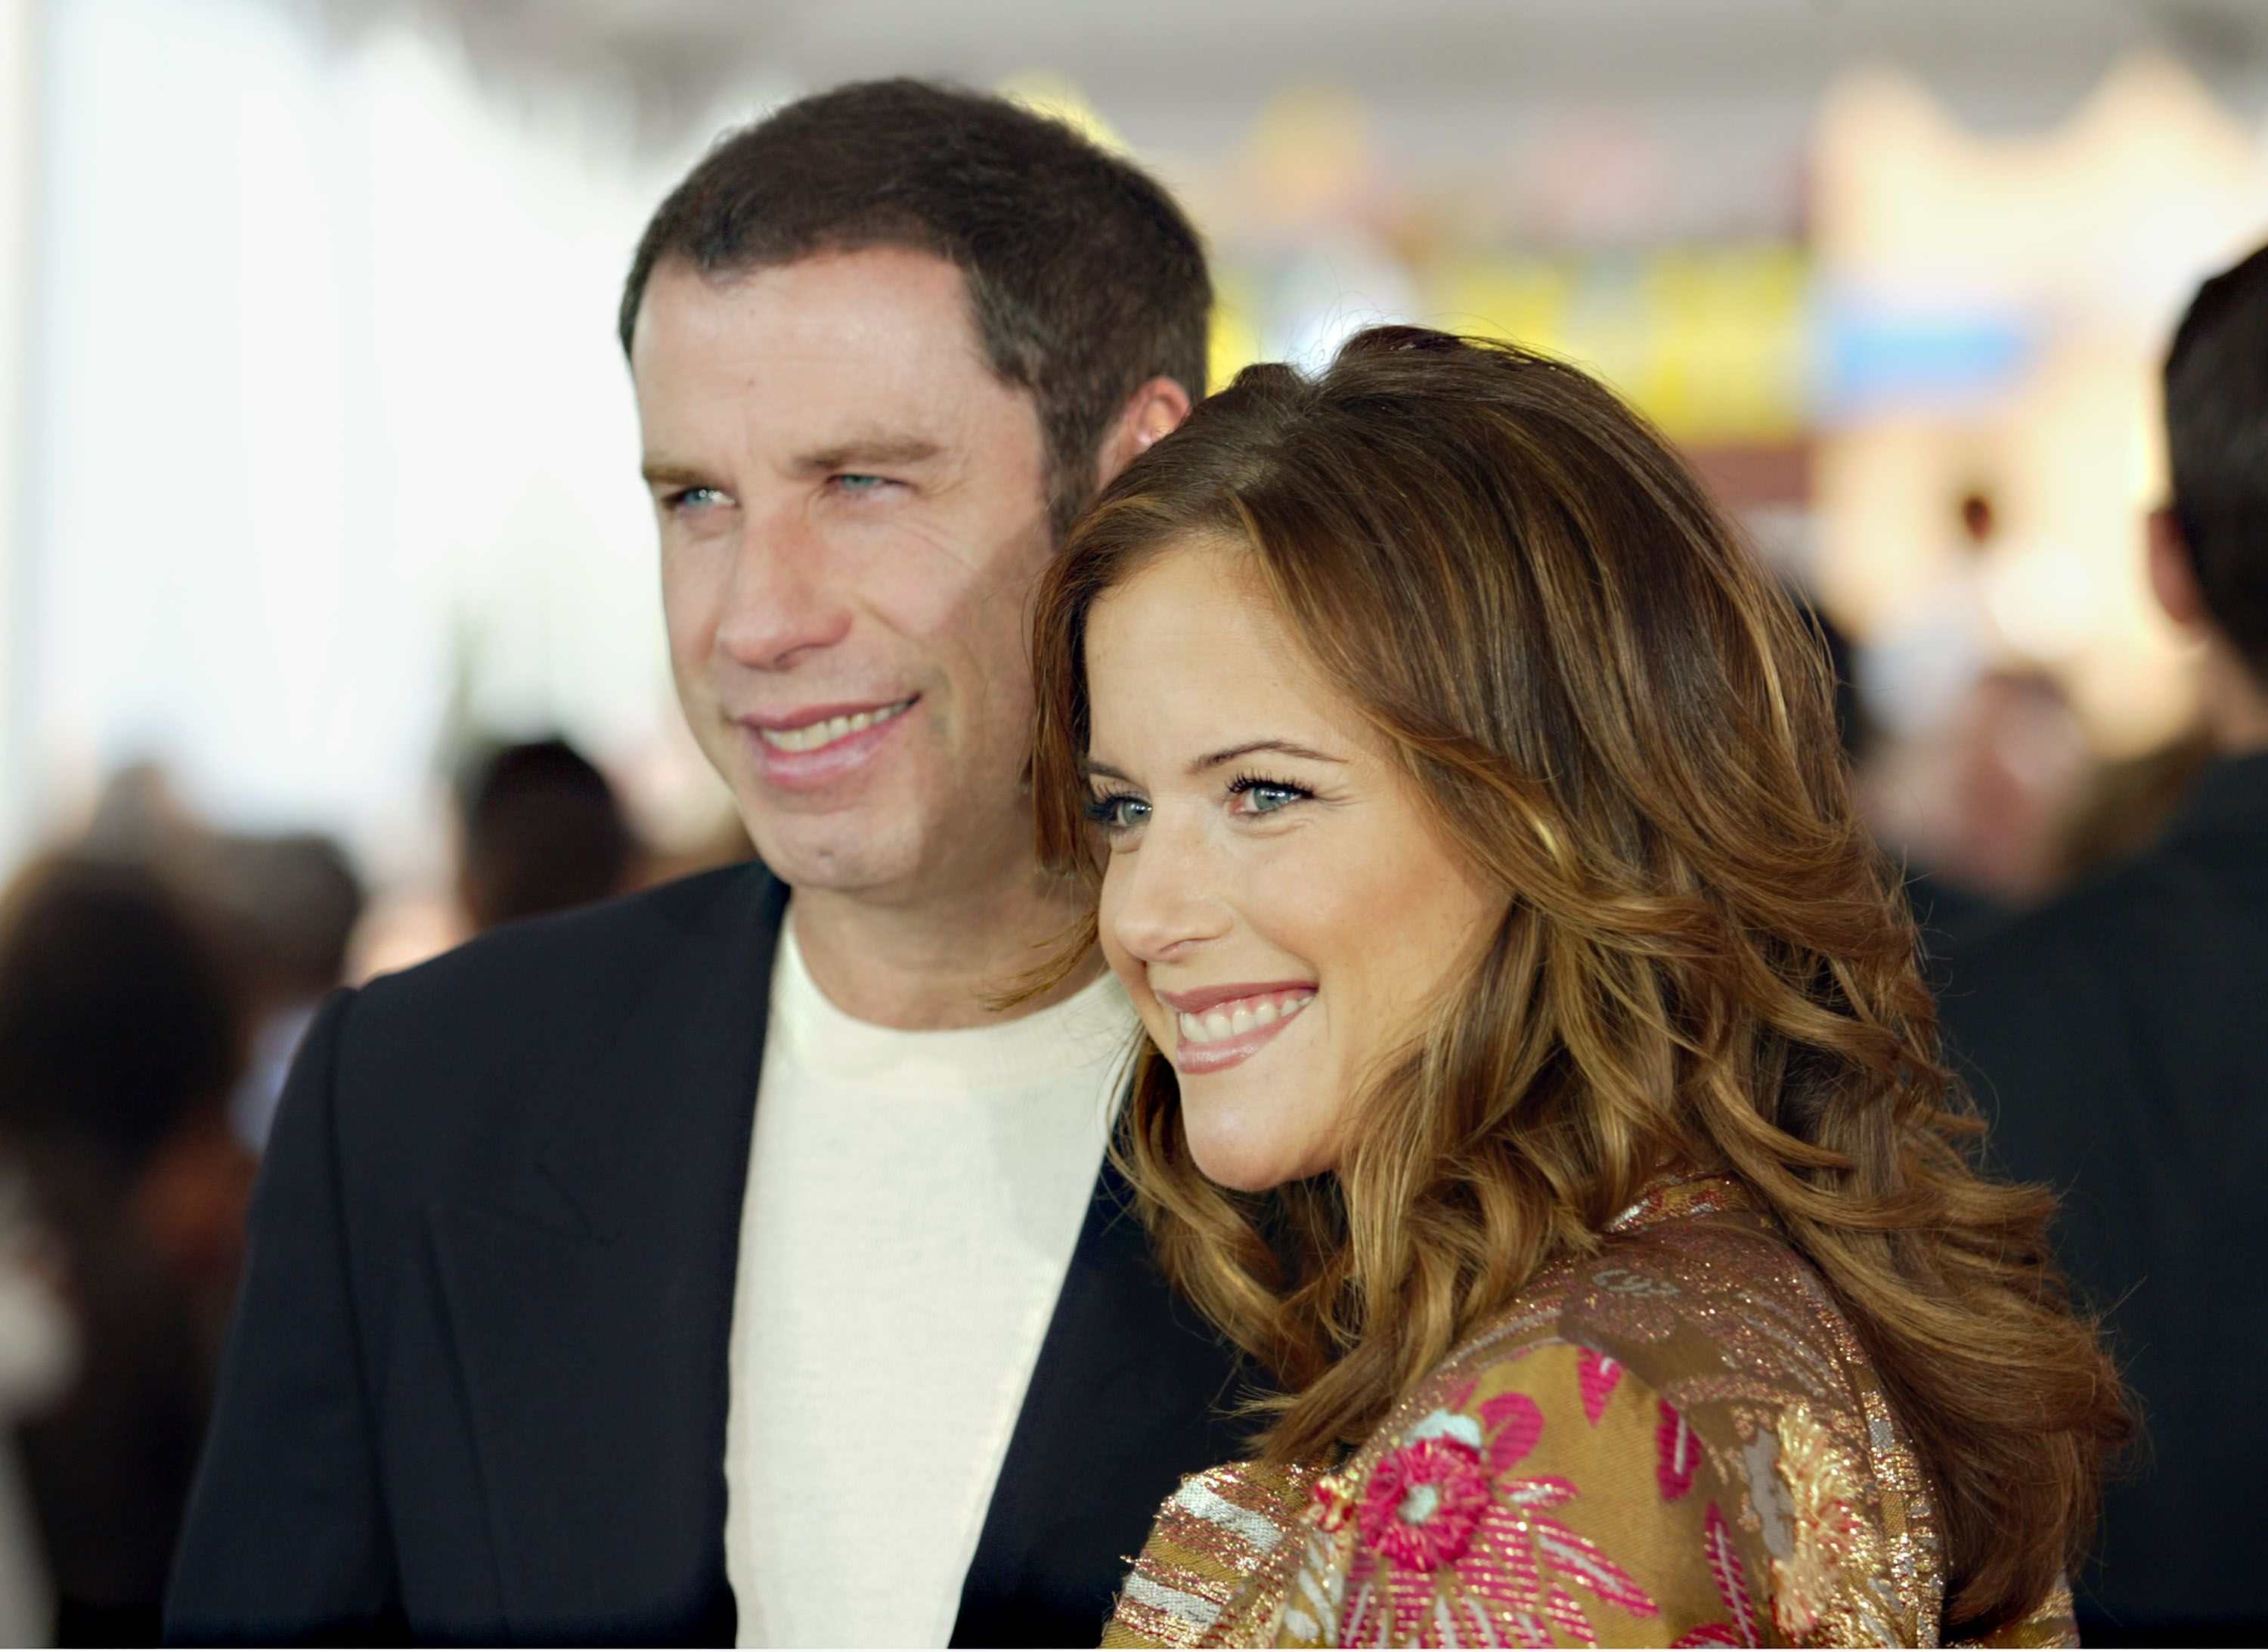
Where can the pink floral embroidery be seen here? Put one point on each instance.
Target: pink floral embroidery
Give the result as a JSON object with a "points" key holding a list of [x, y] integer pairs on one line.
{"points": [[1514, 1425], [1598, 1376], [1731, 1589], [1332, 1504], [1509, 1571], [1679, 1453], [1423, 1502]]}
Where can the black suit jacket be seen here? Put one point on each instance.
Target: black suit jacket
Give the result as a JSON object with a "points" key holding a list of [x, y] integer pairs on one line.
{"points": [[2121, 1037], [475, 1387]]}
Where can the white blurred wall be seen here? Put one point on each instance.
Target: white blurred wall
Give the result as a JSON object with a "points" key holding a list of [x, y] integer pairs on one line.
{"points": [[329, 439], [17, 108]]}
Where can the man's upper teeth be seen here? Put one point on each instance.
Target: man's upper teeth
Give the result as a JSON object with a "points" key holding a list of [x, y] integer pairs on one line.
{"points": [[811, 736], [1248, 1013]]}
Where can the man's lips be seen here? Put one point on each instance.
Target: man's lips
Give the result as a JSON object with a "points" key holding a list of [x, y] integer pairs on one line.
{"points": [[815, 747], [812, 727], [1217, 1027]]}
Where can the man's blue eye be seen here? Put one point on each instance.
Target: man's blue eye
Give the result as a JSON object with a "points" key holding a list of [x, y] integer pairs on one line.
{"points": [[853, 482], [697, 498]]}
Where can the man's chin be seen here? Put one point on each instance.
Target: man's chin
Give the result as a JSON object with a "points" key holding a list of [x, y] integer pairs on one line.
{"points": [[809, 852]]}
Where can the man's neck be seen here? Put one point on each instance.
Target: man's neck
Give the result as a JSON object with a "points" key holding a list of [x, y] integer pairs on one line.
{"points": [[2235, 702], [926, 967]]}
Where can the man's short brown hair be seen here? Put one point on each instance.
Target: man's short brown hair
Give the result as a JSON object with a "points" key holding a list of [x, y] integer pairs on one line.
{"points": [[2217, 439], [1084, 279]]}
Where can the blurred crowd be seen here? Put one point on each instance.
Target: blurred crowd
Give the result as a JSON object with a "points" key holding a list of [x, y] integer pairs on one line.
{"points": [[156, 975], [1973, 765]]}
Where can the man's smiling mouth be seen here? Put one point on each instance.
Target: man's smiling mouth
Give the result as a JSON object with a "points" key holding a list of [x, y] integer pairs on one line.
{"points": [[826, 730]]}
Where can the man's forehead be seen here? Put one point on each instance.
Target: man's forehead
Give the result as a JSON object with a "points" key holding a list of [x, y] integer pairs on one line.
{"points": [[866, 349], [876, 308]]}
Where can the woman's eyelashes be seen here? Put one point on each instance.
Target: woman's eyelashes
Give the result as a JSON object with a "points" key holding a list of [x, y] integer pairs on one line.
{"points": [[1254, 795], [1117, 812], [1248, 796]]}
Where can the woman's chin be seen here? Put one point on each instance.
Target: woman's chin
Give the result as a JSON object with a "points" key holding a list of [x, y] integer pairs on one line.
{"points": [[1245, 1164]]}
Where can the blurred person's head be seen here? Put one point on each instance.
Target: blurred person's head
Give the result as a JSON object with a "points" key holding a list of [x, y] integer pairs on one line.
{"points": [[1468, 823], [2017, 761], [542, 831], [2209, 550], [1978, 519], [122, 1033], [886, 343], [140, 817], [297, 901], [119, 1021]]}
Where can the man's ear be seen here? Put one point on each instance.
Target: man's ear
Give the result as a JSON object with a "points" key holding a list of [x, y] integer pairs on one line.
{"points": [[2173, 572], [1151, 412]]}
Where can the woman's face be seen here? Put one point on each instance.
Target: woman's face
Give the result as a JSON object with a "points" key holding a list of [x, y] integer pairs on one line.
{"points": [[1276, 902]]}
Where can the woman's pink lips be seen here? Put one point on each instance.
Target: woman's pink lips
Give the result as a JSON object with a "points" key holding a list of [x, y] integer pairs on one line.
{"points": [[1227, 1053], [1197, 1000]]}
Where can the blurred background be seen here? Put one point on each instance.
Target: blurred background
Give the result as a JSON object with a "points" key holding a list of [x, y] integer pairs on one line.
{"points": [[329, 628]]}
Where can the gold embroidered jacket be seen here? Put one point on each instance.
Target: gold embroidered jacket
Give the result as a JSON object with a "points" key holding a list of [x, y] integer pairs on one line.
{"points": [[1677, 1441]]}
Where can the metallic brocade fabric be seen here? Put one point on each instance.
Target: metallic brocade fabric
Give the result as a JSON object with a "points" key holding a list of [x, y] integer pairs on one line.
{"points": [[1677, 1441]]}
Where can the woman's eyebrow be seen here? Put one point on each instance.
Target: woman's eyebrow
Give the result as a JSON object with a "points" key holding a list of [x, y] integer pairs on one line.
{"points": [[1091, 770], [1287, 747]]}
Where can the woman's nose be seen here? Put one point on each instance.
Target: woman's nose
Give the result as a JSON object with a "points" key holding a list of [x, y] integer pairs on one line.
{"points": [[1162, 901]]}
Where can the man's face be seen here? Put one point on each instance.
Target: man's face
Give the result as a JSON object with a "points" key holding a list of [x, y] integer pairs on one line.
{"points": [[853, 511]]}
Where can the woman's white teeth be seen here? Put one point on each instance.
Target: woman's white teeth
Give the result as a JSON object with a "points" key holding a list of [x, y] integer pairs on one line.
{"points": [[1248, 1015], [812, 736]]}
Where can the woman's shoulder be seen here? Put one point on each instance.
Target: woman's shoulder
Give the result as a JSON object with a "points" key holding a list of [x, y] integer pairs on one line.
{"points": [[1694, 1295], [1673, 1439], [1217, 1544]]}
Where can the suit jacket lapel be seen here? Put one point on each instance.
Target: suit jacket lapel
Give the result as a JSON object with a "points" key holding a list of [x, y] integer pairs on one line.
{"points": [[1132, 1392], [592, 1308]]}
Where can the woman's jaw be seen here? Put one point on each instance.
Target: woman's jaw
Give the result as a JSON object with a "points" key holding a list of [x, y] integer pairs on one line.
{"points": [[1276, 898]]}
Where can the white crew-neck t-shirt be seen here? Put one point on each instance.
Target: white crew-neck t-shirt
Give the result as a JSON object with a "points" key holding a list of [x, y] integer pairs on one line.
{"points": [[913, 1201]]}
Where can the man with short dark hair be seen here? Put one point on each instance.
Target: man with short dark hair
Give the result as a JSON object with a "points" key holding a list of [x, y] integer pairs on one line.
{"points": [[724, 1255], [2120, 1036]]}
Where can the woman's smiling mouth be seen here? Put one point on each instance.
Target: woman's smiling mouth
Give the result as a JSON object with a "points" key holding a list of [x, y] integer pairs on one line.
{"points": [[1219, 1027]]}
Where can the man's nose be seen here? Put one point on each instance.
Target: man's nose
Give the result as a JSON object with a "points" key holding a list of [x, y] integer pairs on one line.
{"points": [[781, 604], [1169, 904]]}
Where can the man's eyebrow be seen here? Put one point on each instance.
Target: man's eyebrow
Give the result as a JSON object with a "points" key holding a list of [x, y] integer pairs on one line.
{"points": [[672, 473], [1287, 747], [868, 450]]}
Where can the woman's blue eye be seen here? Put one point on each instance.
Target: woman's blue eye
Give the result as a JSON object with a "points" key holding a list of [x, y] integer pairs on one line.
{"points": [[1265, 797], [1120, 811]]}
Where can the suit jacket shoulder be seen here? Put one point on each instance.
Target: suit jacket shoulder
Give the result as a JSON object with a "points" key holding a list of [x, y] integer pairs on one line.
{"points": [[477, 1381], [455, 1075]]}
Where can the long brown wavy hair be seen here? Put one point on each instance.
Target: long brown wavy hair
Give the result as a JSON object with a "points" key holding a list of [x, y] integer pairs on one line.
{"points": [[1706, 963]]}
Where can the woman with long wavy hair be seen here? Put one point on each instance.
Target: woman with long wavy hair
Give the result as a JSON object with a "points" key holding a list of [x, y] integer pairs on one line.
{"points": [[1539, 1082]]}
